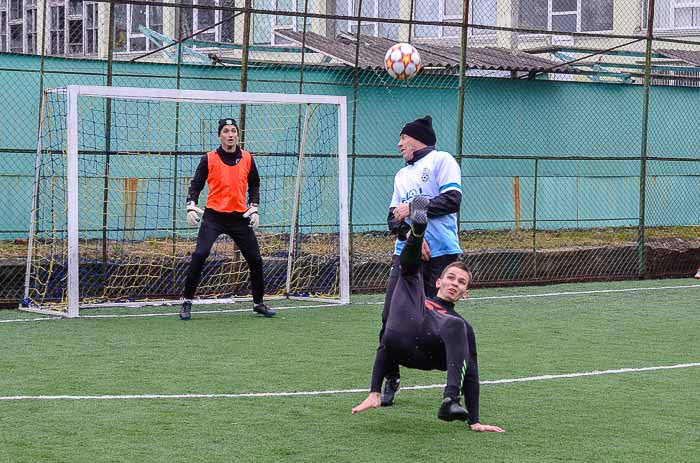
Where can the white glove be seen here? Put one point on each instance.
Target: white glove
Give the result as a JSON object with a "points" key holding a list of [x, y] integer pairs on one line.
{"points": [[193, 213], [252, 215]]}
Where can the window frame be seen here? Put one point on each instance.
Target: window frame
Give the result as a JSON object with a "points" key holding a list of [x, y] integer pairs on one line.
{"points": [[74, 17], [350, 11], [4, 25], [14, 23], [442, 16], [137, 35], [551, 14], [672, 6], [128, 23], [95, 28], [65, 28], [58, 31], [677, 5], [579, 19], [296, 26], [195, 21], [31, 16], [194, 25]]}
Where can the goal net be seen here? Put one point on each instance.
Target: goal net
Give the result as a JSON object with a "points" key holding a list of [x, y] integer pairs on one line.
{"points": [[113, 168]]}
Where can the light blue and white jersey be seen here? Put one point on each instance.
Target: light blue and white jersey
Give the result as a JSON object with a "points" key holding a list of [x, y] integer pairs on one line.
{"points": [[433, 174]]}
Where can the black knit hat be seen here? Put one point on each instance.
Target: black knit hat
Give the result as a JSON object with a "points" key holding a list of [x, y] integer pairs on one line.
{"points": [[229, 121], [422, 130]]}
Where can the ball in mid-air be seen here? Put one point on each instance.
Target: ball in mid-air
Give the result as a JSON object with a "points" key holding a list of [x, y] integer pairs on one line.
{"points": [[402, 61]]}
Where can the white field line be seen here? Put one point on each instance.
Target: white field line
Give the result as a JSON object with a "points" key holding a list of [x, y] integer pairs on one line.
{"points": [[337, 391], [170, 314], [565, 293], [574, 293], [485, 298]]}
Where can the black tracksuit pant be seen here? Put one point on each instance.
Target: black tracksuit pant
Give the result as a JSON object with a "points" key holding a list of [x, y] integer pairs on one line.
{"points": [[427, 334], [238, 228]]}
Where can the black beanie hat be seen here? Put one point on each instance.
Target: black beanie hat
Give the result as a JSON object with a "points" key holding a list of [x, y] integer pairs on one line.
{"points": [[422, 130], [229, 121]]}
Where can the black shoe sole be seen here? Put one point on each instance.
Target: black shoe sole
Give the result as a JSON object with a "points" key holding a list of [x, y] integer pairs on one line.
{"points": [[419, 210], [265, 314], [452, 418]]}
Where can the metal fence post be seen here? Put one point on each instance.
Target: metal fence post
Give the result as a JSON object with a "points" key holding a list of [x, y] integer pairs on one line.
{"points": [[645, 128]]}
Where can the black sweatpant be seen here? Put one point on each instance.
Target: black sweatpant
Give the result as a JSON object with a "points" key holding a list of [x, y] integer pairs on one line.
{"points": [[238, 228]]}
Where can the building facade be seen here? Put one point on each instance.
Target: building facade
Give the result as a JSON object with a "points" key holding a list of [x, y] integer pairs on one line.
{"points": [[79, 27]]}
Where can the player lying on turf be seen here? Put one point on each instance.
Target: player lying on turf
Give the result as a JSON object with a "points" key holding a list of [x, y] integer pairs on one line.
{"points": [[428, 334]]}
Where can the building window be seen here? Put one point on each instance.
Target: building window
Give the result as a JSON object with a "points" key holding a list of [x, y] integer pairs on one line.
{"points": [[75, 27], [15, 26], [482, 12], [390, 9], [16, 38], [15, 10], [128, 23], [30, 20], [91, 29], [3, 25], [57, 29], [566, 15], [282, 22], [196, 19], [72, 28], [673, 14]]}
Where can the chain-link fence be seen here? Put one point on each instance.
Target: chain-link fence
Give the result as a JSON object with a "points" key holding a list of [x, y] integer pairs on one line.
{"points": [[574, 122]]}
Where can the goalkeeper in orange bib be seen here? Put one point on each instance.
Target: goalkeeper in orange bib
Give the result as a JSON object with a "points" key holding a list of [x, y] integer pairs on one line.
{"points": [[428, 334], [230, 172]]}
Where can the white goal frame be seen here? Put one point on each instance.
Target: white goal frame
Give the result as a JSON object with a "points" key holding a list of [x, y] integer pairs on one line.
{"points": [[74, 92]]}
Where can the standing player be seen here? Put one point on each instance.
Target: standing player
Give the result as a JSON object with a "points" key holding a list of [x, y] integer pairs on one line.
{"points": [[428, 334], [230, 172], [436, 175]]}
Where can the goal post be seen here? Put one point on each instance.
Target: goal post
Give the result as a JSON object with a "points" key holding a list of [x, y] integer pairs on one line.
{"points": [[113, 165]]}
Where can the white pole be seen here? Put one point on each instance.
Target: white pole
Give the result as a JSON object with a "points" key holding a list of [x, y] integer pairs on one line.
{"points": [[343, 199], [72, 199]]}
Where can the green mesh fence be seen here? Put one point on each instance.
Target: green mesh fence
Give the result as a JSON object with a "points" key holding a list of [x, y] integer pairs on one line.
{"points": [[575, 127]]}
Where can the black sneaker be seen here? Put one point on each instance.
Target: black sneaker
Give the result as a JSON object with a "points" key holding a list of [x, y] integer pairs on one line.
{"points": [[186, 310], [264, 310], [389, 390], [450, 410]]}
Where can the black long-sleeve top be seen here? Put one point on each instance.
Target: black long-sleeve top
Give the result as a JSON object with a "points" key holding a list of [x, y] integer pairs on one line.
{"points": [[230, 159], [470, 382]]}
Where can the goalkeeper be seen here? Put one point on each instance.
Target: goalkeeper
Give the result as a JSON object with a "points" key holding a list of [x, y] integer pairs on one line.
{"points": [[428, 334], [230, 172]]}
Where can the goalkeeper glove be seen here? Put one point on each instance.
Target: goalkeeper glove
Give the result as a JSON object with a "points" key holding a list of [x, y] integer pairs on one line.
{"points": [[193, 213], [252, 215]]}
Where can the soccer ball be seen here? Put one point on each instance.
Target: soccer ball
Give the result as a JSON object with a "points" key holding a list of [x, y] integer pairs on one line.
{"points": [[402, 61]]}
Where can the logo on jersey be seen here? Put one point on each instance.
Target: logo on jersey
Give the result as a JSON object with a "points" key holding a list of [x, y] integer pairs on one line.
{"points": [[413, 192], [425, 176]]}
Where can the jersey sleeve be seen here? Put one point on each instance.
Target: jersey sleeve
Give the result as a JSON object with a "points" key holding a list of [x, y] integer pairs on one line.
{"points": [[448, 174]]}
